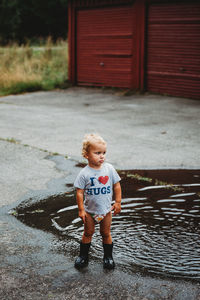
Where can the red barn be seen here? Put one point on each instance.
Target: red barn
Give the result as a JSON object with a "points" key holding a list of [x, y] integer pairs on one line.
{"points": [[148, 45]]}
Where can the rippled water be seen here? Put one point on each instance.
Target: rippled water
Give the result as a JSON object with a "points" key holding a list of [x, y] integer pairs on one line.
{"points": [[157, 231]]}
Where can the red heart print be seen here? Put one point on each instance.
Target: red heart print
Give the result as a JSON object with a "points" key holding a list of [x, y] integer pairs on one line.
{"points": [[103, 179]]}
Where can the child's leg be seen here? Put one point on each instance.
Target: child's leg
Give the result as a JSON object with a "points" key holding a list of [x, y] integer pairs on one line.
{"points": [[105, 226], [89, 228], [82, 260]]}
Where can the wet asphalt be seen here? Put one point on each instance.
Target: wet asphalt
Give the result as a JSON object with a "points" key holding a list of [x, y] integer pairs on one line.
{"points": [[143, 132]]}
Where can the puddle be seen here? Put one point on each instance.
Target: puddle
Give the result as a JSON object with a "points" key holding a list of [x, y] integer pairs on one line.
{"points": [[157, 231]]}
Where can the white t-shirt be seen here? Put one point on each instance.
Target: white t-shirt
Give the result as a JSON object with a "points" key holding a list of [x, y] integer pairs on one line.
{"points": [[98, 187]]}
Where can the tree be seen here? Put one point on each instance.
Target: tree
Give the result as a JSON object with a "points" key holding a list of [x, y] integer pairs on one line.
{"points": [[22, 19], [9, 19]]}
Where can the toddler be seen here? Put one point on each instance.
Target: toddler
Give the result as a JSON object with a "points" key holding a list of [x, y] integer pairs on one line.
{"points": [[95, 185]]}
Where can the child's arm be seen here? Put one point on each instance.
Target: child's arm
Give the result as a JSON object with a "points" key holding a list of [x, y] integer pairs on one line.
{"points": [[79, 200], [118, 196]]}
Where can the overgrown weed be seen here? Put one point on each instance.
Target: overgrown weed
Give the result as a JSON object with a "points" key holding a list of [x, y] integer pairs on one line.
{"points": [[25, 68]]}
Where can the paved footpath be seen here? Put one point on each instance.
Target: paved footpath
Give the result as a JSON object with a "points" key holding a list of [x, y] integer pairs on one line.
{"points": [[143, 131]]}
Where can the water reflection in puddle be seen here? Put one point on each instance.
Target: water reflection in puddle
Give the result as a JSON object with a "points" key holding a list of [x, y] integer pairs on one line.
{"points": [[157, 230]]}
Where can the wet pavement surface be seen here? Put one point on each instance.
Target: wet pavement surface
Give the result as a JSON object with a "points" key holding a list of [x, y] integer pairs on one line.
{"points": [[156, 236], [157, 231]]}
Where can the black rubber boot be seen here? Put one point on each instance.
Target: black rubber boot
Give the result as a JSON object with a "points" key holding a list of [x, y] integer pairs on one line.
{"points": [[82, 260], [108, 262]]}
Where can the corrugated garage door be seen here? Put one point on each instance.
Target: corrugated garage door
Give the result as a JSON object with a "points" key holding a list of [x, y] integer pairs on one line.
{"points": [[173, 55], [105, 46]]}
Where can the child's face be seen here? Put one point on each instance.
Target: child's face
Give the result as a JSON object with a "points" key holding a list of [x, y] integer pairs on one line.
{"points": [[96, 155]]}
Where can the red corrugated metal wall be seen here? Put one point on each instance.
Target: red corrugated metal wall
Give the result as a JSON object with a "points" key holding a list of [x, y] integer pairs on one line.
{"points": [[105, 46], [173, 49]]}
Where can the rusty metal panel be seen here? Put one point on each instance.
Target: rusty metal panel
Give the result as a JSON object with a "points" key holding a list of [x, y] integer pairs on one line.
{"points": [[173, 49], [105, 47]]}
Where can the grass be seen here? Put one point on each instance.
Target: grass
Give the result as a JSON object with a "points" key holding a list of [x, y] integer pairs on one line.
{"points": [[26, 68], [10, 140], [14, 141], [156, 182]]}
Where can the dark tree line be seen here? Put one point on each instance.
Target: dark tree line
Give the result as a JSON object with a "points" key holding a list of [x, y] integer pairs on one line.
{"points": [[27, 19]]}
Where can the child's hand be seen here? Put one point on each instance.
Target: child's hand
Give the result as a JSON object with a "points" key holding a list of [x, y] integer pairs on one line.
{"points": [[117, 208], [82, 214]]}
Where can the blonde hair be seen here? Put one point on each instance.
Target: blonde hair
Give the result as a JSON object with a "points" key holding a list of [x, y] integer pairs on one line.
{"points": [[89, 140]]}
